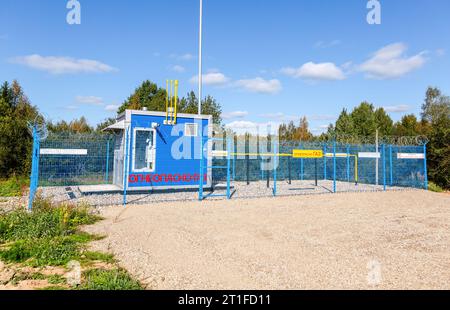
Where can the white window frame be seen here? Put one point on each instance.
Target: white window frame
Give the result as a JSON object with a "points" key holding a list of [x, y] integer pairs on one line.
{"points": [[153, 150], [191, 124]]}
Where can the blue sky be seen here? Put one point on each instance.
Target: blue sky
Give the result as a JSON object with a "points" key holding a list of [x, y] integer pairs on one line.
{"points": [[264, 61]]}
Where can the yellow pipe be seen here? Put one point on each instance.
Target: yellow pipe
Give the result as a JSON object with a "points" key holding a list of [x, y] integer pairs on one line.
{"points": [[171, 102], [167, 100], [176, 100]]}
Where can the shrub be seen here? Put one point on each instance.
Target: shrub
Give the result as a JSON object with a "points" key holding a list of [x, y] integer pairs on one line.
{"points": [[42, 252], [45, 221], [435, 188], [13, 187]]}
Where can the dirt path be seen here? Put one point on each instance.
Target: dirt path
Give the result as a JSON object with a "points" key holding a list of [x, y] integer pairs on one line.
{"points": [[393, 240]]}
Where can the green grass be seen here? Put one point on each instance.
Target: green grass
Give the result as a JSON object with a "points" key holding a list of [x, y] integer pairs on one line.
{"points": [[435, 188], [14, 186], [27, 276], [54, 288], [98, 256], [56, 279], [50, 236], [115, 279]]}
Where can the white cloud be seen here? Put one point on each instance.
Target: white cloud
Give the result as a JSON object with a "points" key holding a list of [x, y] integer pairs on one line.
{"points": [[71, 107], [89, 100], [320, 129], [397, 108], [440, 52], [323, 44], [63, 65], [184, 57], [212, 78], [316, 71], [178, 69], [391, 62], [321, 117], [112, 107], [260, 85], [280, 117], [235, 114], [242, 127]]}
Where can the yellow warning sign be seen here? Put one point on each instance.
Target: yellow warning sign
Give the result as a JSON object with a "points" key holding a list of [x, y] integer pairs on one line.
{"points": [[307, 154]]}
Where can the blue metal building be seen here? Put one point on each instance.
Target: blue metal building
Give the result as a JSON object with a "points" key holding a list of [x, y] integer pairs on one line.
{"points": [[153, 152]]}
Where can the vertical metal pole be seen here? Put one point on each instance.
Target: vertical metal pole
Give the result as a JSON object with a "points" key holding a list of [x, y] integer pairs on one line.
{"points": [[200, 185], [126, 162], [391, 170], [289, 172], [34, 177], [325, 162], [200, 69], [234, 167], [107, 162], [334, 166], [348, 163], [301, 169], [376, 160], [275, 164], [247, 157], [384, 167], [425, 168], [228, 168], [316, 173]]}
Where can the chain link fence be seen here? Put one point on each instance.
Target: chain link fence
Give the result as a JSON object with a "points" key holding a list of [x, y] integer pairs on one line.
{"points": [[93, 167]]}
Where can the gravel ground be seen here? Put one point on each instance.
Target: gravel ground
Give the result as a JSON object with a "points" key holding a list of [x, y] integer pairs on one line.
{"points": [[240, 189], [393, 240]]}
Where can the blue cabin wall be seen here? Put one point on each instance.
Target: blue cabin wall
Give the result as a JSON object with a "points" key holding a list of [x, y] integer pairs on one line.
{"points": [[171, 171]]}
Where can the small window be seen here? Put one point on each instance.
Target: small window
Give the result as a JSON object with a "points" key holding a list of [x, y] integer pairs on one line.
{"points": [[191, 130]]}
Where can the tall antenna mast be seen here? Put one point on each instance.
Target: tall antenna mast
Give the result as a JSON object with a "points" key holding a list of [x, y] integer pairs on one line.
{"points": [[200, 59]]}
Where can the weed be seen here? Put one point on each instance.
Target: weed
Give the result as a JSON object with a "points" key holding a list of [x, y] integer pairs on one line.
{"points": [[56, 279], [435, 188], [115, 279], [27, 276], [98, 256], [13, 187], [42, 252]]}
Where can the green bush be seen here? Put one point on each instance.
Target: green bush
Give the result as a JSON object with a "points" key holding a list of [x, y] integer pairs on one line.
{"points": [[13, 187], [45, 221], [435, 188], [115, 279], [55, 251]]}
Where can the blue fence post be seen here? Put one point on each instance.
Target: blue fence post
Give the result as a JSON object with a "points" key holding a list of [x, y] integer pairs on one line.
{"points": [[384, 167], [348, 163], [325, 162], [391, 167], [425, 168], [234, 167], [334, 166], [200, 185], [126, 163], [34, 177], [275, 163], [107, 162], [228, 169], [302, 173]]}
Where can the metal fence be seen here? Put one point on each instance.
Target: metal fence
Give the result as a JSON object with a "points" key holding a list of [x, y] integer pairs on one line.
{"points": [[65, 164]]}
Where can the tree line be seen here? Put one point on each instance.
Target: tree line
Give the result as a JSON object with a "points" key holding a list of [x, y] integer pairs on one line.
{"points": [[16, 111]]}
